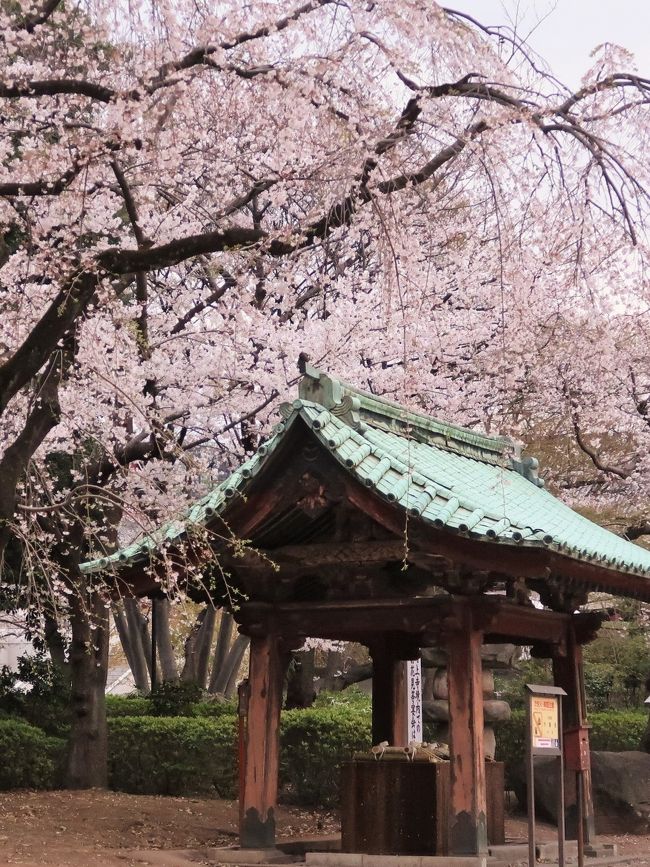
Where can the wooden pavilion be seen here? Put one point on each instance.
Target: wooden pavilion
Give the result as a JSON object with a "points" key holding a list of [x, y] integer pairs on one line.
{"points": [[359, 520]]}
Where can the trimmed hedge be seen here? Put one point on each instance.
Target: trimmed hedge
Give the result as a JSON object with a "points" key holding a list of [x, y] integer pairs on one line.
{"points": [[30, 759], [137, 705], [194, 755], [127, 705], [198, 755], [215, 708], [314, 744], [173, 755]]}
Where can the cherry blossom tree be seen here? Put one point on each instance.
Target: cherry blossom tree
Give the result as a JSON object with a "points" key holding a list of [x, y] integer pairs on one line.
{"points": [[191, 194]]}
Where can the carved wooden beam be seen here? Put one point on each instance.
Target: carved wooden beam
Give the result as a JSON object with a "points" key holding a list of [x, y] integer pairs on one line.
{"points": [[423, 618], [331, 554]]}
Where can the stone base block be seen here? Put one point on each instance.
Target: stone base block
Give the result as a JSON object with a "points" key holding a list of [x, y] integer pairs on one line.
{"points": [[602, 850], [356, 859], [232, 855], [509, 852]]}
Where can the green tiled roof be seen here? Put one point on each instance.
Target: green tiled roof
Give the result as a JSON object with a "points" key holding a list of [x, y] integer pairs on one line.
{"points": [[447, 476]]}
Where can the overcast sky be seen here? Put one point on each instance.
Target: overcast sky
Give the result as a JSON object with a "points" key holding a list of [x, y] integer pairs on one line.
{"points": [[566, 31]]}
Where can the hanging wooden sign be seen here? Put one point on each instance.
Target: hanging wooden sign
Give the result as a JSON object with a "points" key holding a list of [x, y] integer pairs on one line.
{"points": [[414, 699]]}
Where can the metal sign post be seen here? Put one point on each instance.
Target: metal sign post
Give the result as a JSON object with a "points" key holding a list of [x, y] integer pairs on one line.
{"points": [[414, 700], [544, 738]]}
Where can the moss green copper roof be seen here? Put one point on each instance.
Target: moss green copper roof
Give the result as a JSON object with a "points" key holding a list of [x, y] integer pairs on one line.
{"points": [[447, 476]]}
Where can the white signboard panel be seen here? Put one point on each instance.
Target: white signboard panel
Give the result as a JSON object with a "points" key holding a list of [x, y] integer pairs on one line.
{"points": [[414, 699]]}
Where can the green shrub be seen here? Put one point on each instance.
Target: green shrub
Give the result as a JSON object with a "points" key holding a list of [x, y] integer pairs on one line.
{"points": [[38, 692], [127, 705], [352, 697], [175, 698], [315, 742], [615, 730], [198, 755], [599, 684], [173, 755], [168, 699], [30, 759], [511, 741], [214, 708]]}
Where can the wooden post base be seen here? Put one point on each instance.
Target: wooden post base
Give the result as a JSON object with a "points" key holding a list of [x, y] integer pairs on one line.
{"points": [[468, 812], [257, 831], [261, 744]]}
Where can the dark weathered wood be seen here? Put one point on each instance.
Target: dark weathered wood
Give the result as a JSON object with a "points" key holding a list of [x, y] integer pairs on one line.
{"points": [[568, 673], [468, 812], [329, 553], [496, 803], [400, 704], [384, 667], [390, 807], [363, 619], [476, 554], [262, 743]]}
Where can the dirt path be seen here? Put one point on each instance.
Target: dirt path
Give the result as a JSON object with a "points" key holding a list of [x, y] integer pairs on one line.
{"points": [[101, 829], [110, 829]]}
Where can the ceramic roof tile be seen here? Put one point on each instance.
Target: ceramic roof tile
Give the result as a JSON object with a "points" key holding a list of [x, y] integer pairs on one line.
{"points": [[448, 476]]}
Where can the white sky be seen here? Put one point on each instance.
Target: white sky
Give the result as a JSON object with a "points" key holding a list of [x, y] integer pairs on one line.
{"points": [[564, 32]]}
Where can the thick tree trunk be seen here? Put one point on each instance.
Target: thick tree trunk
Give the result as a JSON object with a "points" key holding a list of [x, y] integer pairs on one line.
{"points": [[195, 642], [337, 682], [88, 749], [55, 643], [230, 669], [301, 689], [119, 618], [224, 638], [204, 646], [138, 661], [235, 667], [168, 668], [145, 637]]}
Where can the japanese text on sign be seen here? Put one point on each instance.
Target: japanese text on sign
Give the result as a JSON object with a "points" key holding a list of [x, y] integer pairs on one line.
{"points": [[544, 721], [414, 699]]}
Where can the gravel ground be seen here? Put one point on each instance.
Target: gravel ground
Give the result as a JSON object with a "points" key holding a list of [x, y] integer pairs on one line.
{"points": [[110, 829]]}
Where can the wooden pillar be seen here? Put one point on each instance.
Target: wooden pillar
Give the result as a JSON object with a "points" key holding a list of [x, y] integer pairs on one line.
{"points": [[468, 813], [389, 712], [568, 672], [400, 705], [261, 745]]}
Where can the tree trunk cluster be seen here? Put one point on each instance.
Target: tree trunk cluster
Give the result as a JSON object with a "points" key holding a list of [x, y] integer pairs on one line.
{"points": [[213, 664]]}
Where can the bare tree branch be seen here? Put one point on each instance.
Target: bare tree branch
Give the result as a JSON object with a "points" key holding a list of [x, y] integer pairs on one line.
{"points": [[30, 22], [57, 87], [42, 340], [584, 446], [41, 187], [636, 531]]}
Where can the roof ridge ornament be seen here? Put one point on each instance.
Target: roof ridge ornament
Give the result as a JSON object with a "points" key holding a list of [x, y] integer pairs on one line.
{"points": [[528, 468], [359, 409], [321, 388]]}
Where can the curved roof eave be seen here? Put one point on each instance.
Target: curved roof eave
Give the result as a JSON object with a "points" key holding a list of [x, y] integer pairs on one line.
{"points": [[483, 500]]}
